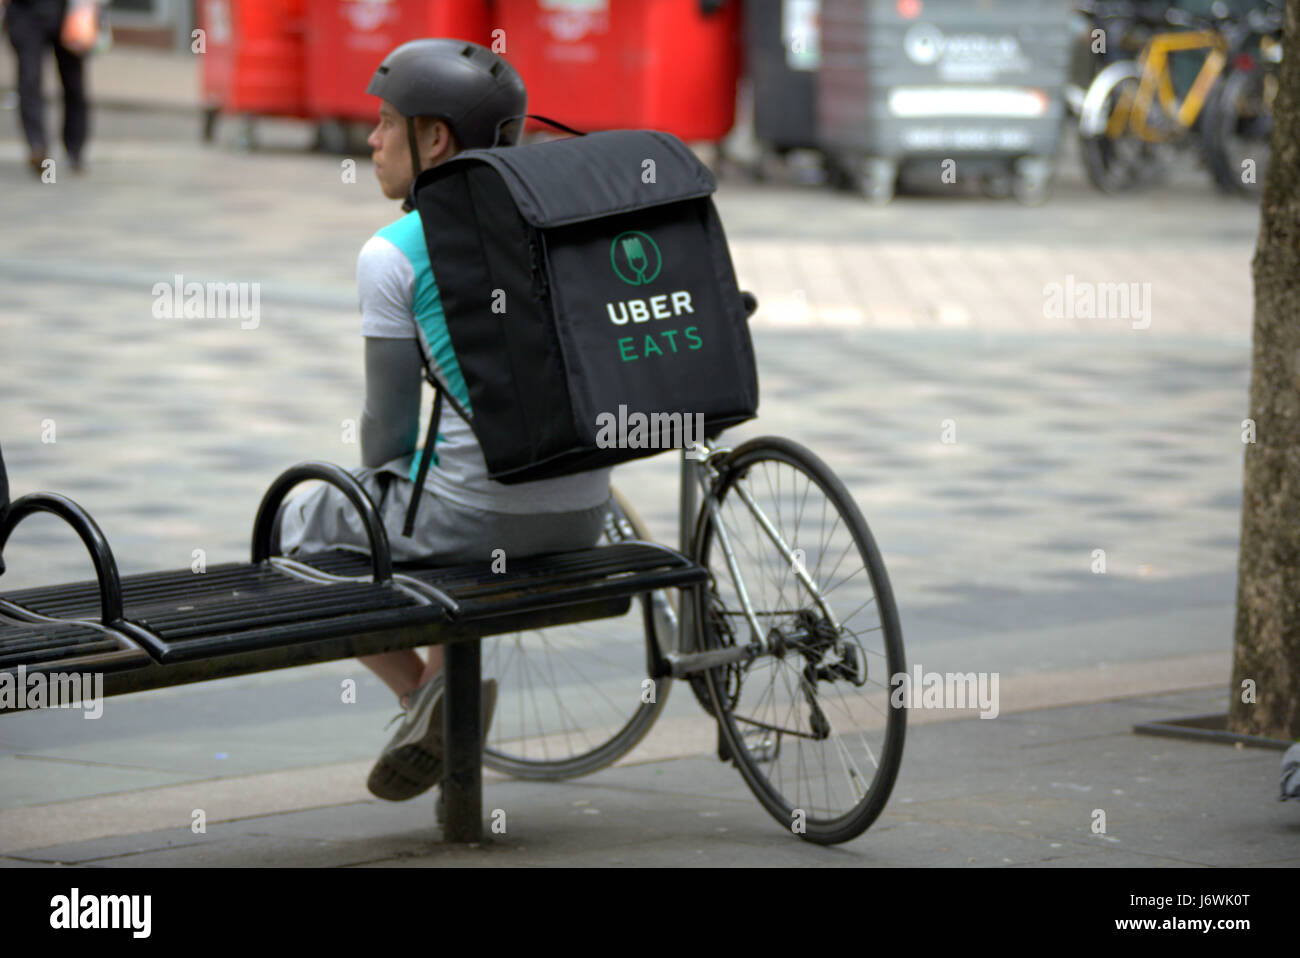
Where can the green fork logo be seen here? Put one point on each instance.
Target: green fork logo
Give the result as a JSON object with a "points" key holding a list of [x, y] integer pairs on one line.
{"points": [[635, 258]]}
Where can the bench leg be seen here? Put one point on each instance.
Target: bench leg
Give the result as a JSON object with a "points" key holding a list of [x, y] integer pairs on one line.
{"points": [[462, 785]]}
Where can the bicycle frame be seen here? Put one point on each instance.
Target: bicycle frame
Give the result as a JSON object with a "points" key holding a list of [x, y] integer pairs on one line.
{"points": [[1157, 82], [698, 473]]}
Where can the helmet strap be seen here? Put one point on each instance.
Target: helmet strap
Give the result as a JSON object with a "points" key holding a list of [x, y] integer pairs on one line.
{"points": [[413, 143]]}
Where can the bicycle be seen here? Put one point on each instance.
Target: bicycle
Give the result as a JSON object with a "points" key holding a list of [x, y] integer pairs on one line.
{"points": [[1124, 27], [1131, 114], [791, 648], [1238, 124]]}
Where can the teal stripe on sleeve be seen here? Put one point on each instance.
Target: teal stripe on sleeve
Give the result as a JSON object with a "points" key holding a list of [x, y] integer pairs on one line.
{"points": [[407, 234]]}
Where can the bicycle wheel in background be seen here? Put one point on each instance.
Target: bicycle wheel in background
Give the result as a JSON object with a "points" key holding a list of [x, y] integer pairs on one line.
{"points": [[572, 699], [810, 725], [1237, 128], [1115, 158]]}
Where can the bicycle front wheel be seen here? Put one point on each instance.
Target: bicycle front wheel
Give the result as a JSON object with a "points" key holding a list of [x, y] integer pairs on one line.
{"points": [[809, 723], [1115, 157], [573, 699]]}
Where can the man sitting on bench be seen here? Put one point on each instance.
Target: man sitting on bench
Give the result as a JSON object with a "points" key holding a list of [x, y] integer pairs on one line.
{"points": [[437, 97]]}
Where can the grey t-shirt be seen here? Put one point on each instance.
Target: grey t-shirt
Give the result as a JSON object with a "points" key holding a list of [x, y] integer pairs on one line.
{"points": [[386, 289]]}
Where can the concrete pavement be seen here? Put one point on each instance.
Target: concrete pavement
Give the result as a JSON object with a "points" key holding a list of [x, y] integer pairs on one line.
{"points": [[1020, 790]]}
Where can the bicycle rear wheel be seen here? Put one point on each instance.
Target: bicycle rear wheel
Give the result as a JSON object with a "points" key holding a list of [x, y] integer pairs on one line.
{"points": [[1238, 128], [809, 724], [573, 699]]}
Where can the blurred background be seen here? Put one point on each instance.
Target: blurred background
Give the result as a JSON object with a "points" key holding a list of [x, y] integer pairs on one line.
{"points": [[864, 95]]}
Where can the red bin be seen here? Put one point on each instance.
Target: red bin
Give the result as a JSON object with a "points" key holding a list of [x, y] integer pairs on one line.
{"points": [[254, 56], [347, 40], [627, 64]]}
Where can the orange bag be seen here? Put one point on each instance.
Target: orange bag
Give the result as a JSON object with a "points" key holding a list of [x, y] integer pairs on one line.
{"points": [[80, 27]]}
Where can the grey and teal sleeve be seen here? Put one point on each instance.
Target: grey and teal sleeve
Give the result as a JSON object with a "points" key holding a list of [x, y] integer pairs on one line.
{"points": [[390, 421]]}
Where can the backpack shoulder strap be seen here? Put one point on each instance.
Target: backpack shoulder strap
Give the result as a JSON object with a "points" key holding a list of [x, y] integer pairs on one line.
{"points": [[426, 454]]}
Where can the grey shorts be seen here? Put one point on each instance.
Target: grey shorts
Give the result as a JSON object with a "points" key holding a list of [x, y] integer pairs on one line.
{"points": [[445, 532]]}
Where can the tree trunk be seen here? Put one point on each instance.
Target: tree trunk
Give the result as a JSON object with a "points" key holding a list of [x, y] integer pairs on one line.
{"points": [[1267, 651]]}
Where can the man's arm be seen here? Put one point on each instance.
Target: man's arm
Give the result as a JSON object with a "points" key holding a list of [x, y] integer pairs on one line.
{"points": [[390, 421]]}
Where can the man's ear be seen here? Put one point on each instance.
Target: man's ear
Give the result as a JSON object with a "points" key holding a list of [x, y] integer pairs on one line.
{"points": [[437, 142]]}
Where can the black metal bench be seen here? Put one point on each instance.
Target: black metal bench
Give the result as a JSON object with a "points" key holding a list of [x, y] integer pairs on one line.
{"points": [[169, 628]]}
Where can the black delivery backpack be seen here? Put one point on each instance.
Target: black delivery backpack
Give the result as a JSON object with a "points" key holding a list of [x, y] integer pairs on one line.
{"points": [[583, 279]]}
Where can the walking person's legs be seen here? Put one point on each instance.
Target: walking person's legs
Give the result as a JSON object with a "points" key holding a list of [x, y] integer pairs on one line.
{"points": [[28, 29], [76, 113]]}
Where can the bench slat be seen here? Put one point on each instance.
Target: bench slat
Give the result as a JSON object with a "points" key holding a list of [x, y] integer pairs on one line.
{"points": [[23, 646], [230, 609], [63, 647], [81, 599], [309, 604], [200, 646], [234, 609]]}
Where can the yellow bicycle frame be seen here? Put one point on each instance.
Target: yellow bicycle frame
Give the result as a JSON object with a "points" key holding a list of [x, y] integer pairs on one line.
{"points": [[1134, 109]]}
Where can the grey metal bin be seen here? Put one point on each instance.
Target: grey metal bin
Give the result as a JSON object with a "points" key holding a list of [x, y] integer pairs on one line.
{"points": [[782, 49], [978, 82]]}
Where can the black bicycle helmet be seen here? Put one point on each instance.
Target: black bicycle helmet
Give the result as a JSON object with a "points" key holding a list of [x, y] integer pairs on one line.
{"points": [[466, 85]]}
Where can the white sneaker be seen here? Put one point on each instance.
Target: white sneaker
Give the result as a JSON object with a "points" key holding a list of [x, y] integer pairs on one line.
{"points": [[411, 763]]}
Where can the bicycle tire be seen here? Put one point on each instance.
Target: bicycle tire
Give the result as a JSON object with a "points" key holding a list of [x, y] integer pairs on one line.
{"points": [[816, 651], [1225, 115], [1115, 164], [511, 748]]}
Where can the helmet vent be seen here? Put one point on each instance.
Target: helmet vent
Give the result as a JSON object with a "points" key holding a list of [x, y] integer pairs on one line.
{"points": [[497, 67], [383, 69], [467, 51]]}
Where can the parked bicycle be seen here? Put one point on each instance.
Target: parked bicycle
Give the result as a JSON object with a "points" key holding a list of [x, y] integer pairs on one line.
{"points": [[791, 648], [1133, 117]]}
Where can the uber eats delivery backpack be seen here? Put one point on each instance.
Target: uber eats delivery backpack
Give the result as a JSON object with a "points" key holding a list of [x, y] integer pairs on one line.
{"points": [[588, 291]]}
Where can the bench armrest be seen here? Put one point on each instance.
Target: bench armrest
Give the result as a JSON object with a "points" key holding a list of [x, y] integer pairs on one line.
{"points": [[380, 554], [110, 583]]}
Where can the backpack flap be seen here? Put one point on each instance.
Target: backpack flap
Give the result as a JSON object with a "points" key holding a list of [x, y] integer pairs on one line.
{"points": [[559, 182]]}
